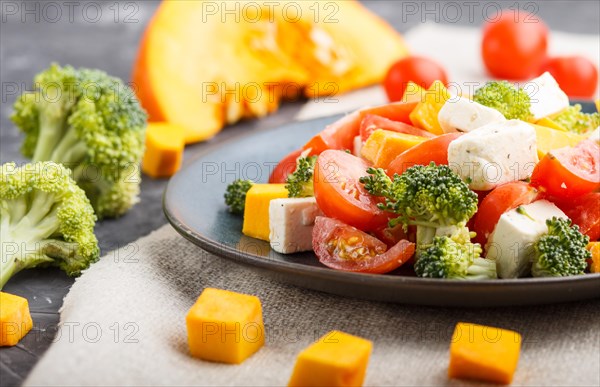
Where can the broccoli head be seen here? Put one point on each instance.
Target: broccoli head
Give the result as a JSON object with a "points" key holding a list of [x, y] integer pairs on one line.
{"points": [[432, 197], [235, 195], [574, 120], [455, 257], [512, 102], [300, 183], [562, 251], [90, 122], [45, 219]]}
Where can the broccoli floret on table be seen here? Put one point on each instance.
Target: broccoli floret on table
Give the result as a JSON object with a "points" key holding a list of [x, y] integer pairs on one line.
{"points": [[300, 183], [574, 120], [512, 102], [235, 195]]}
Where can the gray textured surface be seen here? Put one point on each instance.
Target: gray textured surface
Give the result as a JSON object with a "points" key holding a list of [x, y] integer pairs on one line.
{"points": [[110, 43]]}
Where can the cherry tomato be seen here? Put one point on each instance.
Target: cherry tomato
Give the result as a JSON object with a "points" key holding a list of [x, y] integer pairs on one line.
{"points": [[503, 198], [577, 76], [584, 211], [569, 172], [285, 167], [390, 236], [341, 196], [514, 45], [371, 122], [343, 247], [419, 70], [340, 135], [435, 150]]}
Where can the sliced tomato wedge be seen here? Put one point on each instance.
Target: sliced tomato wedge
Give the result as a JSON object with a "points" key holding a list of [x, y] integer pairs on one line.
{"points": [[371, 122], [569, 172], [340, 195], [340, 135], [584, 211], [343, 247], [435, 149], [503, 198], [286, 166], [390, 236]]}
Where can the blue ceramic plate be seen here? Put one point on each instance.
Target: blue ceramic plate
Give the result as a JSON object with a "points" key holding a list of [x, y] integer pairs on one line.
{"points": [[193, 204]]}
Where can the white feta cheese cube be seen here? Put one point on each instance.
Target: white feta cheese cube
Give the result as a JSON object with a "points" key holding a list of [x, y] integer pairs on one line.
{"points": [[511, 242], [291, 221], [546, 96], [463, 115], [494, 154]]}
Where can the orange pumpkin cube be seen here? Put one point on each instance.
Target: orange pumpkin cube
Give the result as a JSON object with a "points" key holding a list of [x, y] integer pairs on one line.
{"points": [[425, 114], [383, 146], [484, 353], [336, 359], [164, 149], [15, 319], [225, 326]]}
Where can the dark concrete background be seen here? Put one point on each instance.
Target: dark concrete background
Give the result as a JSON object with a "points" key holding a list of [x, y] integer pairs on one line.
{"points": [[105, 35]]}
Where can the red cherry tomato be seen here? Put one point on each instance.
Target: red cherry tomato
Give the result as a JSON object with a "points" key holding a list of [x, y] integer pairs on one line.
{"points": [[419, 70], [569, 172], [577, 76], [584, 211], [285, 167], [371, 122], [343, 247], [435, 150], [514, 46], [503, 198], [341, 196]]}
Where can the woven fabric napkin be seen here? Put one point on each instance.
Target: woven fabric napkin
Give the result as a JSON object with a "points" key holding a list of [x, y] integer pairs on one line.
{"points": [[123, 322]]}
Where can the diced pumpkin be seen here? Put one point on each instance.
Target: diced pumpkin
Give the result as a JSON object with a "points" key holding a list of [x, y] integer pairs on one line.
{"points": [[413, 93], [197, 68], [15, 319], [383, 146], [549, 139], [225, 326], [164, 149], [484, 353], [425, 115], [550, 123], [256, 211], [336, 359], [594, 248]]}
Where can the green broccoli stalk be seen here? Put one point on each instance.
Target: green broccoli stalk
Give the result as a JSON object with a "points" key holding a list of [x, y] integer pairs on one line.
{"points": [[573, 120], [432, 197], [45, 220], [91, 123], [235, 195], [562, 251], [503, 96], [300, 183], [455, 257]]}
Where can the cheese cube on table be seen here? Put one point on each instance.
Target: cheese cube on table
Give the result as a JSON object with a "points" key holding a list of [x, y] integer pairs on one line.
{"points": [[256, 211], [546, 96], [463, 115], [15, 319], [511, 242], [291, 222], [225, 326], [484, 353], [337, 359], [494, 154]]}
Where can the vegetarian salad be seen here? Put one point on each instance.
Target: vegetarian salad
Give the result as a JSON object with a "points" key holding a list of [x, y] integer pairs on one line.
{"points": [[501, 184]]}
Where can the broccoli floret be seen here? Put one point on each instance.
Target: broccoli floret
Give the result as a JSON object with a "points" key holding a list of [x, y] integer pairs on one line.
{"points": [[562, 251], [573, 120], [300, 183], [432, 197], [455, 257], [91, 123], [45, 220], [503, 96], [235, 195]]}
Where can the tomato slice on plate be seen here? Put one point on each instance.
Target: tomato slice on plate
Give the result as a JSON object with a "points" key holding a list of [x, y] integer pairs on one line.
{"points": [[343, 247], [584, 211], [341, 196], [435, 150], [286, 166], [371, 122], [503, 198], [569, 172]]}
